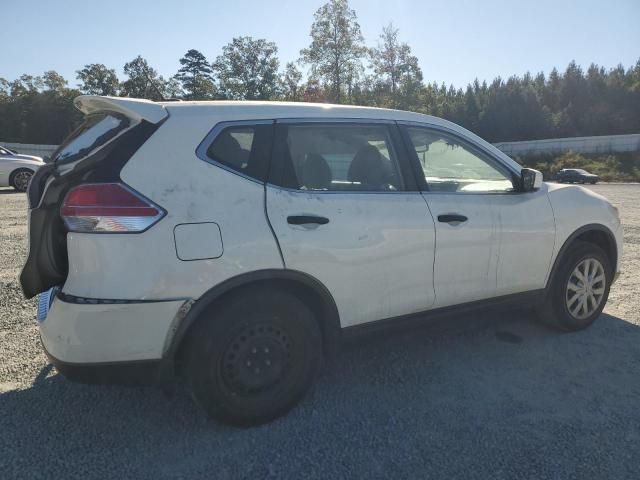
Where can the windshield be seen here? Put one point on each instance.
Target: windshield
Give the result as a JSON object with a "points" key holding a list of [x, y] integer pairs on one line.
{"points": [[96, 130]]}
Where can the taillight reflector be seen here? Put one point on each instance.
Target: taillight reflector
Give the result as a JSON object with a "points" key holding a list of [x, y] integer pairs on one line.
{"points": [[108, 207]]}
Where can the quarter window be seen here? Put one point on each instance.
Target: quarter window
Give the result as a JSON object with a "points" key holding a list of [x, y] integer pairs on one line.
{"points": [[243, 148], [450, 165], [336, 157]]}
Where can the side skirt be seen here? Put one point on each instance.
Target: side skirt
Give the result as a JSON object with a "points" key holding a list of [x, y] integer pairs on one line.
{"points": [[525, 299]]}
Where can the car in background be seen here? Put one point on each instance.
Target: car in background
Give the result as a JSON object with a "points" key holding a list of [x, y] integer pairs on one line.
{"points": [[16, 169], [576, 175]]}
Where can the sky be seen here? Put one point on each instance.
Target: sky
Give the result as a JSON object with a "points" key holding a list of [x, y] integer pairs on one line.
{"points": [[454, 40]]}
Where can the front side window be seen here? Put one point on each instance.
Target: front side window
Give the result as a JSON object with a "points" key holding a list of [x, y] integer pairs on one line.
{"points": [[336, 157], [243, 148], [450, 165]]}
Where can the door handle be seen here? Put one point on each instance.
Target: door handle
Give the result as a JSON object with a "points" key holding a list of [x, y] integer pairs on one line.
{"points": [[302, 219], [452, 218]]}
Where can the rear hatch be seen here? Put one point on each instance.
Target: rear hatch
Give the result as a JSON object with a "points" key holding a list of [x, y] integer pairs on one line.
{"points": [[112, 130]]}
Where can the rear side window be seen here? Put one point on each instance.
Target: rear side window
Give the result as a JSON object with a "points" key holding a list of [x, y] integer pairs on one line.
{"points": [[336, 157], [96, 130], [242, 148]]}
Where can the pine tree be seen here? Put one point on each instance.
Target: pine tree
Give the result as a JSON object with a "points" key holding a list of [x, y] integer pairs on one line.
{"points": [[195, 75]]}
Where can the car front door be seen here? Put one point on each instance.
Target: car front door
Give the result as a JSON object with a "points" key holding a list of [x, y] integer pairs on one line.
{"points": [[346, 210], [491, 240]]}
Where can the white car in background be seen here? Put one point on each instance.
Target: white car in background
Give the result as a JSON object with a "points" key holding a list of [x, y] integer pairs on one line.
{"points": [[16, 169], [235, 243]]}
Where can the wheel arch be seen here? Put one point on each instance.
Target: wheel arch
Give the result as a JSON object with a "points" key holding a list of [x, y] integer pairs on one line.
{"points": [[311, 290], [594, 233]]}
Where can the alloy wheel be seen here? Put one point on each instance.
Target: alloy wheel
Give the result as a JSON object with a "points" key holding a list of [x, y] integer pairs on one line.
{"points": [[21, 180], [585, 288]]}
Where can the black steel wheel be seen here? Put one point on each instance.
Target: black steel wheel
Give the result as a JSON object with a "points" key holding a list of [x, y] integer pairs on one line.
{"points": [[252, 357]]}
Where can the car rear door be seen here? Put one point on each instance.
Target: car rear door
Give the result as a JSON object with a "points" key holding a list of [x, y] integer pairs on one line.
{"points": [[345, 210]]}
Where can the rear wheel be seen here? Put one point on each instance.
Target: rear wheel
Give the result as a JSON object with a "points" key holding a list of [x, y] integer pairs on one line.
{"points": [[580, 288], [255, 356], [20, 179]]}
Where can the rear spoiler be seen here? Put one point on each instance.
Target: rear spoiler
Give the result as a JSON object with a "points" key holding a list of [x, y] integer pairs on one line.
{"points": [[134, 108]]}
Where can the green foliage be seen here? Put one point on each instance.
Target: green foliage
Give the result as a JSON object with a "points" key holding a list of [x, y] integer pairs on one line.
{"points": [[248, 69], [618, 167], [398, 77], [291, 83], [337, 48], [143, 81], [561, 104], [196, 76], [37, 109], [97, 79]]}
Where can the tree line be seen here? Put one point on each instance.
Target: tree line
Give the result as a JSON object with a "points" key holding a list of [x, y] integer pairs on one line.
{"points": [[340, 68]]}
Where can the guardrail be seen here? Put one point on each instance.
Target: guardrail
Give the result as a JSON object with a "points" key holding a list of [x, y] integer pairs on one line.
{"points": [[30, 149], [599, 144]]}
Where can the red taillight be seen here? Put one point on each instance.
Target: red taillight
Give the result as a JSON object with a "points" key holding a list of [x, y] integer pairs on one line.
{"points": [[108, 207]]}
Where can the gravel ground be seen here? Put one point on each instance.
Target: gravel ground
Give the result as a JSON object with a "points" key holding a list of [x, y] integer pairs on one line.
{"points": [[492, 395]]}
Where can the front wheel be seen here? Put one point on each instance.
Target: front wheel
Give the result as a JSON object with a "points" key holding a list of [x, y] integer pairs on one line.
{"points": [[20, 179], [252, 358], [579, 289]]}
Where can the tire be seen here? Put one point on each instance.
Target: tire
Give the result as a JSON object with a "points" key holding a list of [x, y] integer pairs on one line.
{"points": [[253, 357], [560, 301], [20, 178]]}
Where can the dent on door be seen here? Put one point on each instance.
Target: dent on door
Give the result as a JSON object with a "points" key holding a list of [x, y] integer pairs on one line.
{"points": [[374, 253], [466, 247]]}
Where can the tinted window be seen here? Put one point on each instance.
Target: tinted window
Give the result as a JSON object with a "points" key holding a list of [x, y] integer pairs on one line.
{"points": [[243, 148], [449, 164], [95, 131], [336, 157]]}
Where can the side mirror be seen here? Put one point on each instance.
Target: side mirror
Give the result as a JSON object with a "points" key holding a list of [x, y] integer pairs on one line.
{"points": [[530, 180]]}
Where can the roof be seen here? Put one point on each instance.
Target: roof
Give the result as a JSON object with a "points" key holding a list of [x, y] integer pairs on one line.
{"points": [[154, 112], [301, 110]]}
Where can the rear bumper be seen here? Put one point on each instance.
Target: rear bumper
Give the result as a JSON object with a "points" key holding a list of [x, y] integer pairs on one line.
{"points": [[77, 335], [144, 372]]}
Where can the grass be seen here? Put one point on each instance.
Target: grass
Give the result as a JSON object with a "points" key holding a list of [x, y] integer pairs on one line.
{"points": [[614, 167]]}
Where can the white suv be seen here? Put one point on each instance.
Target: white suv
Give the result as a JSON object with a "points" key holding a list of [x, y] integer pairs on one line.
{"points": [[235, 243]]}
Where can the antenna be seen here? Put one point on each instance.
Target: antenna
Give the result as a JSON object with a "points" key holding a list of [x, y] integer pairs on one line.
{"points": [[155, 86]]}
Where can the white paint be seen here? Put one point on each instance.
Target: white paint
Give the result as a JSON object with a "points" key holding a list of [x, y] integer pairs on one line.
{"points": [[376, 255], [465, 263], [105, 333], [198, 241]]}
